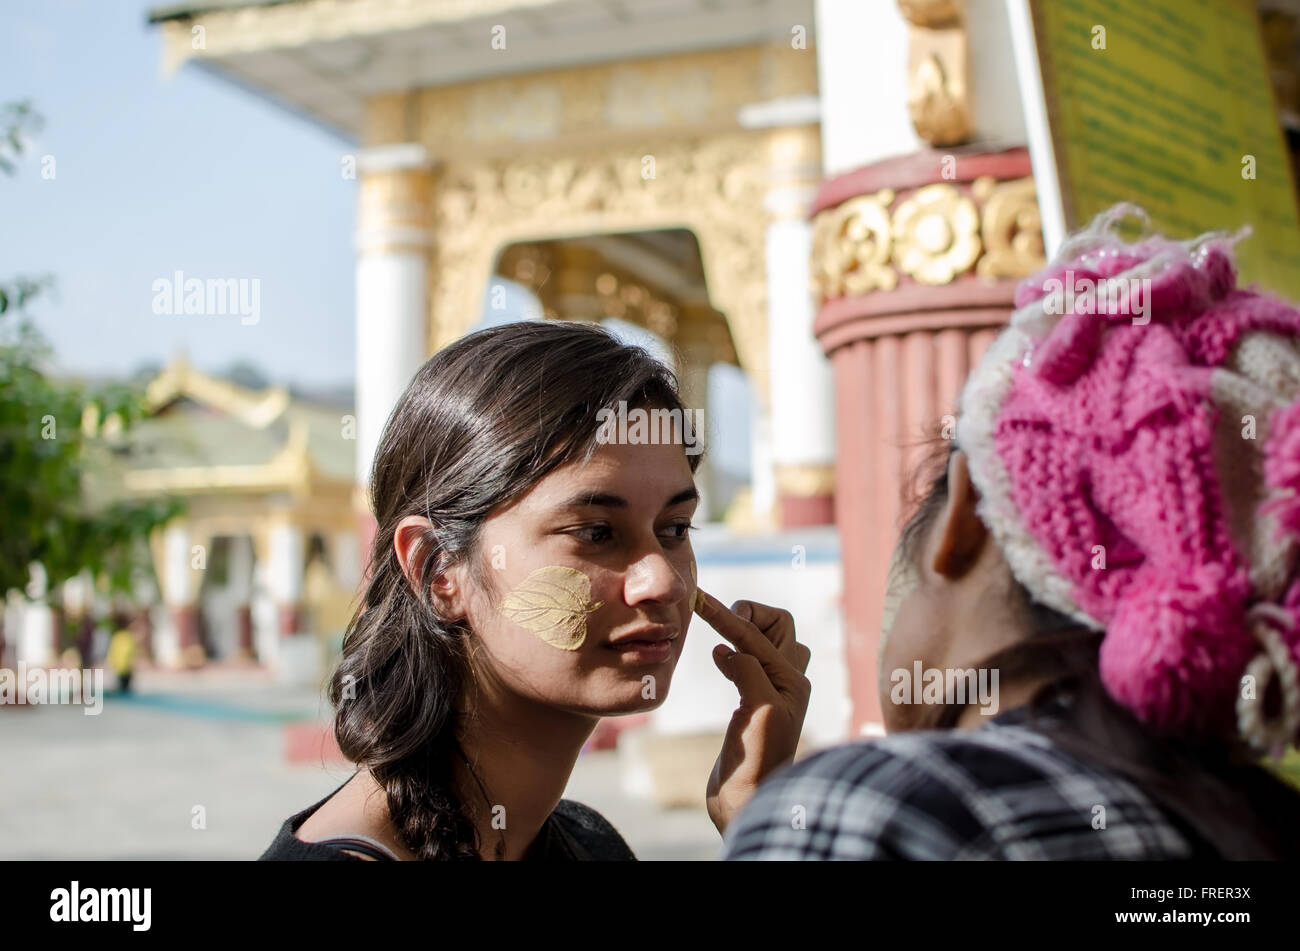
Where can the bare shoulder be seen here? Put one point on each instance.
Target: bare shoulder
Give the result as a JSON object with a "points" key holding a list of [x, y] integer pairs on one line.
{"points": [[358, 809]]}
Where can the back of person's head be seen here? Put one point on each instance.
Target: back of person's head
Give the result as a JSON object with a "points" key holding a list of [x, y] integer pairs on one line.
{"points": [[1133, 442]]}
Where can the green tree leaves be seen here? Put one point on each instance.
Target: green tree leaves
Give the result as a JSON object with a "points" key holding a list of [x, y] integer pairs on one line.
{"points": [[62, 503]]}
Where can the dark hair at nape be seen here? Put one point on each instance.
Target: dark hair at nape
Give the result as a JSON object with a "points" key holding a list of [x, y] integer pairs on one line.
{"points": [[479, 424], [1223, 798]]}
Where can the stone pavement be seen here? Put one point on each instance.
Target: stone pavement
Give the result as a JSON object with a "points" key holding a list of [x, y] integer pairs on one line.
{"points": [[127, 783]]}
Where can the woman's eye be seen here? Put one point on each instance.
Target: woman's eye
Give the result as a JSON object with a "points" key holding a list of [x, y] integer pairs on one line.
{"points": [[594, 533], [681, 529]]}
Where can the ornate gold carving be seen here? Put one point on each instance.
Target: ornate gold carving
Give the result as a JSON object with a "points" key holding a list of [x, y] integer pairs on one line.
{"points": [[852, 243], [794, 170], [936, 234], [933, 235], [579, 283], [936, 100], [683, 94], [592, 149], [393, 209], [703, 336], [1012, 229], [938, 88], [181, 379], [713, 186]]}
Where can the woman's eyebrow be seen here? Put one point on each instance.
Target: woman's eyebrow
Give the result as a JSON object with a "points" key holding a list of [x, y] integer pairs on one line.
{"points": [[610, 500]]}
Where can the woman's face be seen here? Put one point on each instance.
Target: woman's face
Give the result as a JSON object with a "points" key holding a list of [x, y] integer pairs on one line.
{"points": [[595, 553]]}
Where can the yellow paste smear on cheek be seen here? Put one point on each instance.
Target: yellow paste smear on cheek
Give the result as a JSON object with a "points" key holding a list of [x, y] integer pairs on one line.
{"points": [[553, 602], [697, 604]]}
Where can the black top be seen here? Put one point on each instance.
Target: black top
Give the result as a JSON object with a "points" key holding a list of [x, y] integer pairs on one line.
{"points": [[572, 833]]}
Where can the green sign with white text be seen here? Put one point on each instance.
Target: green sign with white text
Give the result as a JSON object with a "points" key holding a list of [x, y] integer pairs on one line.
{"points": [[1167, 103]]}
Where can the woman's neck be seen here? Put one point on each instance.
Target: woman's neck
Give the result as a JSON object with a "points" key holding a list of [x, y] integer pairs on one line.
{"points": [[522, 753]]}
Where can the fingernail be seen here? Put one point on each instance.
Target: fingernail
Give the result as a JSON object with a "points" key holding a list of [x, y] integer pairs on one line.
{"points": [[699, 601]]}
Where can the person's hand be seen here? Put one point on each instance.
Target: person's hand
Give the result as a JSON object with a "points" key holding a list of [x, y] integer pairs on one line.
{"points": [[767, 668]]}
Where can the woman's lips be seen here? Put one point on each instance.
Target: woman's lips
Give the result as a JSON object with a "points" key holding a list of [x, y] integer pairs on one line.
{"points": [[644, 651]]}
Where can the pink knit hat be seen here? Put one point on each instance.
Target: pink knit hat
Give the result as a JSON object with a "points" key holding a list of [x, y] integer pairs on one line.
{"points": [[1138, 461]]}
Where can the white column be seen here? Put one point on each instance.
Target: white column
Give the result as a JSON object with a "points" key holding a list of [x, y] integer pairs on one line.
{"points": [[802, 385], [285, 569], [347, 559], [803, 394], [34, 639], [178, 577], [300, 656], [264, 615], [176, 643], [393, 241]]}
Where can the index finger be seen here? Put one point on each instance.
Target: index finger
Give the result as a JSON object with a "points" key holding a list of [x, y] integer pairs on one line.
{"points": [[735, 628]]}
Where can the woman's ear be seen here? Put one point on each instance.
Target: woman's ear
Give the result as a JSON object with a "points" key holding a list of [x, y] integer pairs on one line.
{"points": [[411, 542], [959, 533]]}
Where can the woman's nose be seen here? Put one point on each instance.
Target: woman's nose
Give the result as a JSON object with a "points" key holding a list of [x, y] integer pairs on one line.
{"points": [[653, 578]]}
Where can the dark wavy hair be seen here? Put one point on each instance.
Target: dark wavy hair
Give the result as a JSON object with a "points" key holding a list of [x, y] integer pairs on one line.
{"points": [[480, 423], [1228, 804]]}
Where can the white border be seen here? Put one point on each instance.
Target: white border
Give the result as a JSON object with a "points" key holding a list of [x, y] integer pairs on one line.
{"points": [[1038, 129]]}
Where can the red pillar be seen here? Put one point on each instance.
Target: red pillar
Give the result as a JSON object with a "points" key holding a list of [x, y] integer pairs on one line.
{"points": [[901, 340], [796, 511]]}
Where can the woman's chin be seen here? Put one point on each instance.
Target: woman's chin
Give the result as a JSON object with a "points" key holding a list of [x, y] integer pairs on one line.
{"points": [[636, 697]]}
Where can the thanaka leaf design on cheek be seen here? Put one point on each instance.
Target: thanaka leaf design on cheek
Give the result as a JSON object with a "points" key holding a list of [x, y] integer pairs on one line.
{"points": [[697, 604], [553, 602]]}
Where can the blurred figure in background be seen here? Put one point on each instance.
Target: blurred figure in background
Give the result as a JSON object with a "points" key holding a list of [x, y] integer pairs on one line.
{"points": [[121, 652]]}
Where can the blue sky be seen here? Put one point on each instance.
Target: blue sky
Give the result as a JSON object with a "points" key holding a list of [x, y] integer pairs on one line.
{"points": [[157, 175], [188, 173]]}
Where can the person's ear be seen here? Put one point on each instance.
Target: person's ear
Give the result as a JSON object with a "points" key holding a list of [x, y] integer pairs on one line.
{"points": [[959, 533], [413, 541]]}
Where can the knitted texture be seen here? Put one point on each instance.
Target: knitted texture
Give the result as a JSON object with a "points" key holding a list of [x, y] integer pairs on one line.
{"points": [[1138, 460]]}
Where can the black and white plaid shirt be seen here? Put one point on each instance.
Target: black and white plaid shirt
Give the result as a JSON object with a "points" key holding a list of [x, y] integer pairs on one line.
{"points": [[1003, 791]]}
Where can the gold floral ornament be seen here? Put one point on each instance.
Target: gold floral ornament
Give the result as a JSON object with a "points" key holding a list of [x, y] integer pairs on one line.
{"points": [[1013, 228], [936, 234], [552, 602], [851, 247]]}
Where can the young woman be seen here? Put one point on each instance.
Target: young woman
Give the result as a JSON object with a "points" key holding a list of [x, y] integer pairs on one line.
{"points": [[531, 573], [1114, 534]]}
